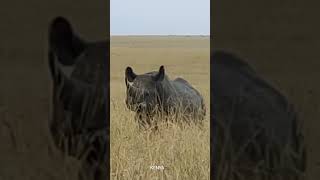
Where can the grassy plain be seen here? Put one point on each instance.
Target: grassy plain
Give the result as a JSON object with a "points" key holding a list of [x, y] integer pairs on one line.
{"points": [[27, 152]]}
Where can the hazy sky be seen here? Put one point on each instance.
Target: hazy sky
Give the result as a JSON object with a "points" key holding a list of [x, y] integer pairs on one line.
{"points": [[160, 17]]}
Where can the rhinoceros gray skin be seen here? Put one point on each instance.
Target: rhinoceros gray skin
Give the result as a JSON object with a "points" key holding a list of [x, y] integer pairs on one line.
{"points": [[245, 108]]}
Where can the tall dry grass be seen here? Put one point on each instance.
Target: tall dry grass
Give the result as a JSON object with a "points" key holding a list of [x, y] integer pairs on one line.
{"points": [[273, 163], [183, 150]]}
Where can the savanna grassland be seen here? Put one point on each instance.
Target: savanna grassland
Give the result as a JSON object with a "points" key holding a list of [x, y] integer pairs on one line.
{"points": [[184, 152]]}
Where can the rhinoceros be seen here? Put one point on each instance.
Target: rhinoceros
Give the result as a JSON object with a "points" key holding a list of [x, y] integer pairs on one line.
{"points": [[252, 122], [80, 98]]}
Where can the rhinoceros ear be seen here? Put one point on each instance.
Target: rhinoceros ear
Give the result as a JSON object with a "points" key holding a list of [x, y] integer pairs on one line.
{"points": [[129, 76], [63, 42], [160, 75]]}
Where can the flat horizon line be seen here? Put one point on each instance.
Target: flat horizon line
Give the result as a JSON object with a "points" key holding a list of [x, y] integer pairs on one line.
{"points": [[160, 35]]}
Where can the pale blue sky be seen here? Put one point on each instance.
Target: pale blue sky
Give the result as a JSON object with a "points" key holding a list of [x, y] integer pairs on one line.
{"points": [[160, 17]]}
